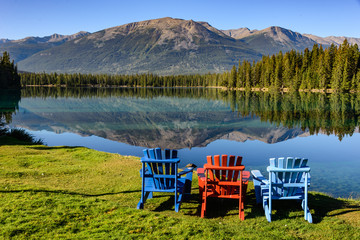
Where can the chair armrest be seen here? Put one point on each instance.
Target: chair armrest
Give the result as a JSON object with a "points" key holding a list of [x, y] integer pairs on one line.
{"points": [[275, 169], [234, 168], [309, 179], [186, 171], [150, 160], [256, 174]]}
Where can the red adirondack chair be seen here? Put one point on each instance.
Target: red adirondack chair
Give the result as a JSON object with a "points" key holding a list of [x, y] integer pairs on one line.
{"points": [[223, 181]]}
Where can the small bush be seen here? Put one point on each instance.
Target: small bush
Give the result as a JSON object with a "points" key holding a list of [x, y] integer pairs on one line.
{"points": [[22, 135]]}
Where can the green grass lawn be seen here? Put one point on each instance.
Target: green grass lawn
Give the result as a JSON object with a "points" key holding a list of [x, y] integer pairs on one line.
{"points": [[79, 193]]}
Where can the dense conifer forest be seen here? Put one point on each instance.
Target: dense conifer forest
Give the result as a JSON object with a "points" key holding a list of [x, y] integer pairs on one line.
{"points": [[336, 68], [9, 77]]}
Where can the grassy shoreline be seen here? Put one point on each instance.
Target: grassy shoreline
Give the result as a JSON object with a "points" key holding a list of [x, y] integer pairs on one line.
{"points": [[79, 193]]}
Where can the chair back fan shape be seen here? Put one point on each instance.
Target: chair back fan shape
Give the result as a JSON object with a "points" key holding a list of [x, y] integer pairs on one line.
{"points": [[223, 178], [289, 179], [160, 173]]}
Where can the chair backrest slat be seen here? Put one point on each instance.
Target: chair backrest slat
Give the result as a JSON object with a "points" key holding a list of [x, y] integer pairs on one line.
{"points": [[224, 159], [289, 164], [230, 172], [160, 171], [238, 163], [217, 163], [210, 162], [174, 154], [280, 175], [167, 168], [302, 164], [167, 153], [297, 163]]}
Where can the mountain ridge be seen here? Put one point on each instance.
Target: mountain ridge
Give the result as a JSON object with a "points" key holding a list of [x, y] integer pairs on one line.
{"points": [[162, 46], [23, 48]]}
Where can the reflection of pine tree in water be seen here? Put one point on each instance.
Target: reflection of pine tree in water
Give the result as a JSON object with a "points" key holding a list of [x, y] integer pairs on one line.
{"points": [[9, 103], [316, 112], [337, 114], [9, 99]]}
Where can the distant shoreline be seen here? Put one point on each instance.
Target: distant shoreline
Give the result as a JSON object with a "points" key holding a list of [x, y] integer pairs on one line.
{"points": [[254, 89]]}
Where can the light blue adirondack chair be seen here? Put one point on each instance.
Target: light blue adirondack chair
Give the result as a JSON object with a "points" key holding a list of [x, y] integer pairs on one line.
{"points": [[160, 174], [289, 178]]}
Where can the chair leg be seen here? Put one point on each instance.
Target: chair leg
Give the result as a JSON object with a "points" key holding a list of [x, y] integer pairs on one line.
{"points": [[267, 210], [309, 217], [201, 191], [257, 186], [307, 214], [241, 210], [178, 200], [203, 206], [187, 187], [141, 203]]}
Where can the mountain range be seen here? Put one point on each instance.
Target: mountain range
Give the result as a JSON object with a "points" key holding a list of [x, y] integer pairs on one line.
{"points": [[162, 46], [24, 48]]}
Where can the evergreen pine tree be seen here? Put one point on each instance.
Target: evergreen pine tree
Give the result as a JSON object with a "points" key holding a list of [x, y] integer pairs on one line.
{"points": [[247, 76], [9, 78], [338, 69], [358, 80], [233, 78], [345, 83], [353, 84]]}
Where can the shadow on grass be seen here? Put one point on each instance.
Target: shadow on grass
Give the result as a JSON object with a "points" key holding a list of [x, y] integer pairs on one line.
{"points": [[324, 205], [5, 140], [52, 148], [320, 206], [67, 192], [11, 141], [189, 203]]}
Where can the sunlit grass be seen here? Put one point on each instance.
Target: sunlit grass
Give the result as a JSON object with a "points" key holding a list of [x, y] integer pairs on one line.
{"points": [[79, 193]]}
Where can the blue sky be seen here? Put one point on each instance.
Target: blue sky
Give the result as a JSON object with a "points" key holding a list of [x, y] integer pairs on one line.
{"points": [[23, 18]]}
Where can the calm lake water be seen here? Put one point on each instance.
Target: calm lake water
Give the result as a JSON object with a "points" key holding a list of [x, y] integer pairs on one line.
{"points": [[201, 122]]}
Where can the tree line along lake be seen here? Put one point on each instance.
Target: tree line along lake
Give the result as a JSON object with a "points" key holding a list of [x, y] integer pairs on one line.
{"points": [[200, 122]]}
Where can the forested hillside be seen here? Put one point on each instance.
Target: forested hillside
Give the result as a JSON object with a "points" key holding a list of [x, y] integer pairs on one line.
{"points": [[335, 68]]}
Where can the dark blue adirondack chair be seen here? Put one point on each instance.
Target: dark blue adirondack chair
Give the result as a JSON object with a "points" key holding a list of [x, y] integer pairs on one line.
{"points": [[160, 174], [288, 179]]}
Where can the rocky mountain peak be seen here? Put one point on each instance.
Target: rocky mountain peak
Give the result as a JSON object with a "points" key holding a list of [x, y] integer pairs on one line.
{"points": [[162, 24], [283, 35], [58, 37], [239, 33], [183, 34], [4, 40]]}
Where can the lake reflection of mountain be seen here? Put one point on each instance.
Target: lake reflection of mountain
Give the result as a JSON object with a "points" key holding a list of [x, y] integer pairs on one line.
{"points": [[160, 121], [186, 117]]}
